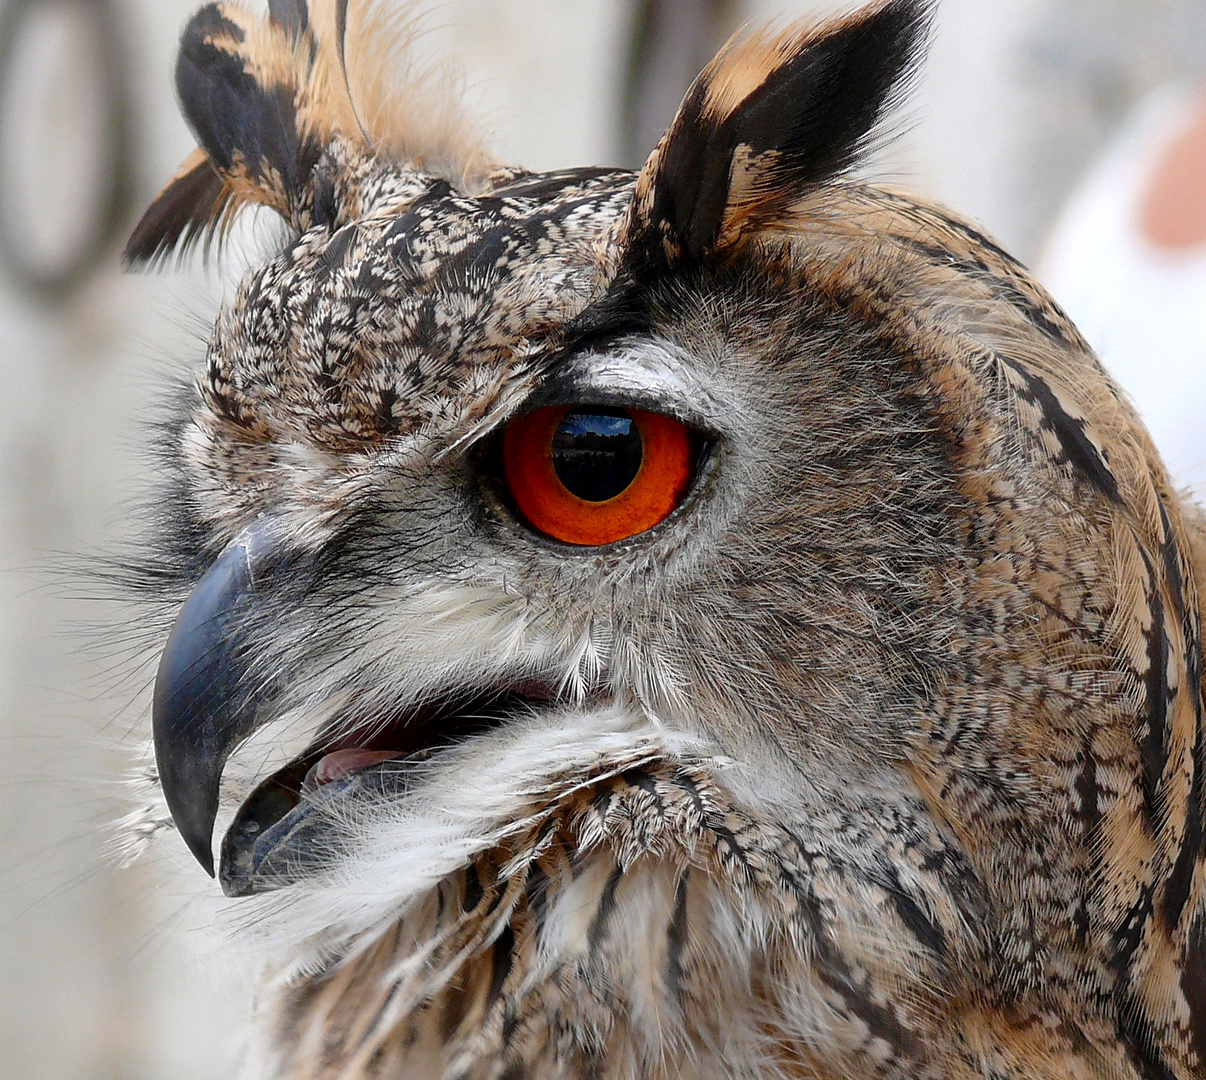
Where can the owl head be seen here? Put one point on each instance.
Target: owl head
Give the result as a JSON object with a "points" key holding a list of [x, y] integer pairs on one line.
{"points": [[730, 617]]}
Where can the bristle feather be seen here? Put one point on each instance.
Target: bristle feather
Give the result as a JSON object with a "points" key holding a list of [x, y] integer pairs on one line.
{"points": [[410, 111]]}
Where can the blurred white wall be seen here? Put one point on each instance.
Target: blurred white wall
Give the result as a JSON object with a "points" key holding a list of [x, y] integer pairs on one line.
{"points": [[95, 971]]}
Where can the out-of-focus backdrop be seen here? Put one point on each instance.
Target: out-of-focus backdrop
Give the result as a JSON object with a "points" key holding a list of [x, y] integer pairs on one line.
{"points": [[1073, 130]]}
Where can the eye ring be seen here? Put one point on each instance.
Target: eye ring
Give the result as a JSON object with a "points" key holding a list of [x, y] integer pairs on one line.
{"points": [[550, 451]]}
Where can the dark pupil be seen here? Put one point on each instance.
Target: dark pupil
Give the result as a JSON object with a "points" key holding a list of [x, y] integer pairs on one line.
{"points": [[597, 453]]}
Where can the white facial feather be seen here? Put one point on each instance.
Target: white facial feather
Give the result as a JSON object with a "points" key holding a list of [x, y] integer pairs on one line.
{"points": [[464, 801]]}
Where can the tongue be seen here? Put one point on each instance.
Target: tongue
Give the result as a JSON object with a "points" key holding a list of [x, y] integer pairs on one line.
{"points": [[341, 763]]}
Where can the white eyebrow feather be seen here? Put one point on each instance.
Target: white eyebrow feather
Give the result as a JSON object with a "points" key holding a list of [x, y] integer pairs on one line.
{"points": [[657, 371]]}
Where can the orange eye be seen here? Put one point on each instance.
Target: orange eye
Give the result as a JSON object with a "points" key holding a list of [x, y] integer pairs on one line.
{"points": [[593, 475]]}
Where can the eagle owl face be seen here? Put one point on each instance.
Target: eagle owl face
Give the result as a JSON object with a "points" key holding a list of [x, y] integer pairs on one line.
{"points": [[729, 622]]}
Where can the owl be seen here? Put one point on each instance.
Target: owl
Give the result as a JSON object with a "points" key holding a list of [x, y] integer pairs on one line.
{"points": [[716, 621]]}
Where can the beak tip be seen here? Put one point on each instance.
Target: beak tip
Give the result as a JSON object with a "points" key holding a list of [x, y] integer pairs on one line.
{"points": [[196, 825], [189, 780], [194, 808], [203, 853]]}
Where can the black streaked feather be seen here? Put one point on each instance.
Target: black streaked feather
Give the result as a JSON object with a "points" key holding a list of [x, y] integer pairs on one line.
{"points": [[815, 112], [188, 210], [1154, 744], [293, 15], [1079, 452], [1180, 881], [676, 939], [1193, 985]]}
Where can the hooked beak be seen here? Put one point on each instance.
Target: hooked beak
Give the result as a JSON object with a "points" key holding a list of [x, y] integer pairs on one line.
{"points": [[202, 706]]}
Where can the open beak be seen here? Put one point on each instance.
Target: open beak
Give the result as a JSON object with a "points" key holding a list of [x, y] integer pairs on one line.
{"points": [[203, 706], [219, 680]]}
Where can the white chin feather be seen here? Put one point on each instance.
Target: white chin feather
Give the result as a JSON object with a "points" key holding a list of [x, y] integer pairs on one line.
{"points": [[462, 803]]}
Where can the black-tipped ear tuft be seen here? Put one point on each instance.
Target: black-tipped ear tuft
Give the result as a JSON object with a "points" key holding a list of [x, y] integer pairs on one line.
{"points": [[190, 209], [303, 110], [239, 89], [292, 15], [265, 98], [773, 115]]}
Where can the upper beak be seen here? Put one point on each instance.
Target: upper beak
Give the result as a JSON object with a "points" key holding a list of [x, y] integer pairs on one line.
{"points": [[203, 707]]}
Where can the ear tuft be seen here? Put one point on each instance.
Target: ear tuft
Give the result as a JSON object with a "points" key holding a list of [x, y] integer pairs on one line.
{"points": [[316, 87], [292, 15], [245, 88], [772, 115], [191, 209], [263, 102]]}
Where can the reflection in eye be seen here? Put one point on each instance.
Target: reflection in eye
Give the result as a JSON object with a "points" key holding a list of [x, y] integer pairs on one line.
{"points": [[597, 453]]}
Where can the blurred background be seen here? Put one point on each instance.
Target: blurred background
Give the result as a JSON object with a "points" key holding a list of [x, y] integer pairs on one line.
{"points": [[1073, 130]]}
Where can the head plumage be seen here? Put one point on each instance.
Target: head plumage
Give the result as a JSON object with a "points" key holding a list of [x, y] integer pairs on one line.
{"points": [[297, 110]]}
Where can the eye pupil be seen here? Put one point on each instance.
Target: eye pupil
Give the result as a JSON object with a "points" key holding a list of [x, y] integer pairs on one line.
{"points": [[597, 452]]}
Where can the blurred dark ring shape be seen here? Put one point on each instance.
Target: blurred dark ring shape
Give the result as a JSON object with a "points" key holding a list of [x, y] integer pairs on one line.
{"points": [[56, 279]]}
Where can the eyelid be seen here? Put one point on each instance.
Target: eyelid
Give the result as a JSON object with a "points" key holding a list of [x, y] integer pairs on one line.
{"points": [[555, 394], [645, 378]]}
